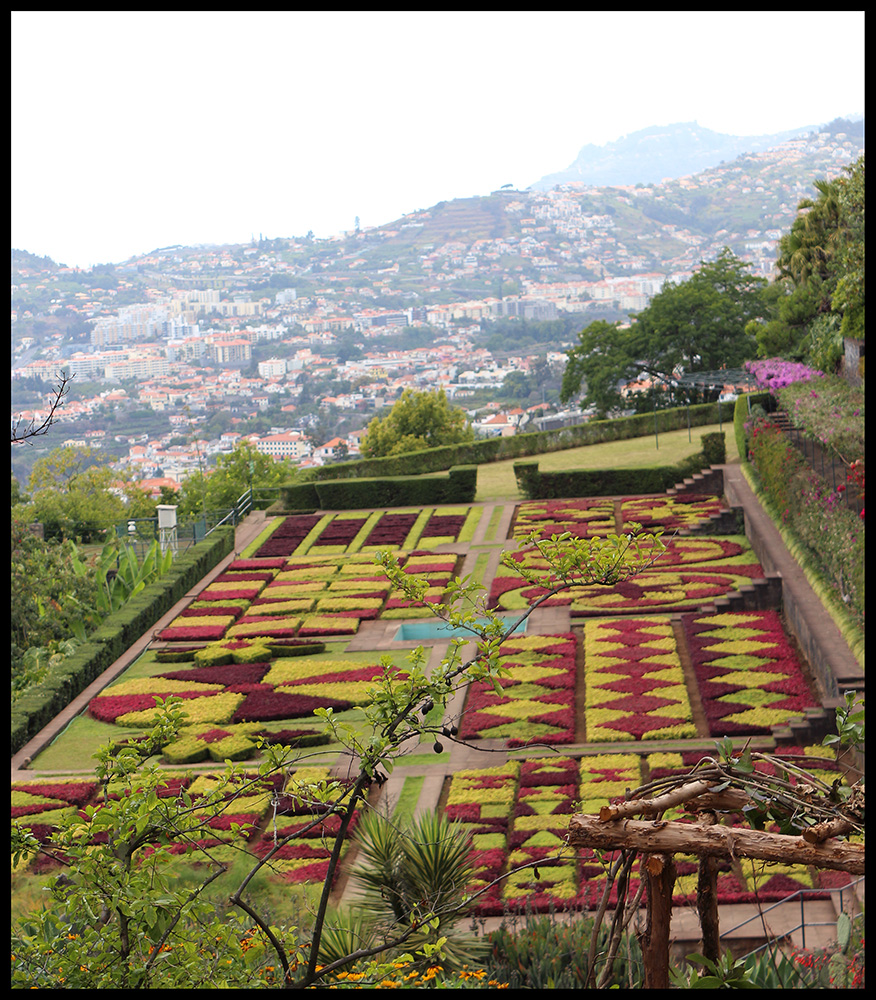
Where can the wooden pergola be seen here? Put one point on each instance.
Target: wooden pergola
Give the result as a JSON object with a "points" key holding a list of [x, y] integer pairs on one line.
{"points": [[718, 789]]}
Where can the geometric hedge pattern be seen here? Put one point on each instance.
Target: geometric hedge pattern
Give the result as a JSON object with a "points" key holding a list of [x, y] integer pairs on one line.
{"points": [[635, 687], [314, 576], [748, 675]]}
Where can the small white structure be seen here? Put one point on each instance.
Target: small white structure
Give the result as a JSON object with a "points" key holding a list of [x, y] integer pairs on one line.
{"points": [[167, 537]]}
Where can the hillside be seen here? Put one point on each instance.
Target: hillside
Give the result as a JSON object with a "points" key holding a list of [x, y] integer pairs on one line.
{"points": [[584, 230]]}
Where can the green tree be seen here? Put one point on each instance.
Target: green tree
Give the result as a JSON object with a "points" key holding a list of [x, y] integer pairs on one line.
{"points": [[47, 594], [76, 494], [596, 366], [17, 495], [516, 386], [418, 420], [848, 296], [818, 296], [701, 324], [222, 487]]}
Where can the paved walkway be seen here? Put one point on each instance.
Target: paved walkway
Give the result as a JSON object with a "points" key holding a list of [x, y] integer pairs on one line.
{"points": [[822, 642]]}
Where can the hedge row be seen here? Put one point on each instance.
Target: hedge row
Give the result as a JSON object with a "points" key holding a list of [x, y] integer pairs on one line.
{"points": [[524, 445], [535, 485], [742, 415], [459, 485], [41, 703]]}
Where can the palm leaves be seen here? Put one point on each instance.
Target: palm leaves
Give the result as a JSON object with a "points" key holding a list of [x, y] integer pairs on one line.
{"points": [[412, 879]]}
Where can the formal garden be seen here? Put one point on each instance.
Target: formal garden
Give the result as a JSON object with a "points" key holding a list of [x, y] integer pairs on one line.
{"points": [[620, 640]]}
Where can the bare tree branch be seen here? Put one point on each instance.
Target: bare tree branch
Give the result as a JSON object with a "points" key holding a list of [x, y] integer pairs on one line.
{"points": [[31, 430]]}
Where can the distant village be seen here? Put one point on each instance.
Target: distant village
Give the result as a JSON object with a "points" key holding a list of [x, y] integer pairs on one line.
{"points": [[183, 349]]}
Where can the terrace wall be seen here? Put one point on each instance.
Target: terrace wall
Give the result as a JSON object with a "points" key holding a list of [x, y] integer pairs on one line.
{"points": [[820, 640]]}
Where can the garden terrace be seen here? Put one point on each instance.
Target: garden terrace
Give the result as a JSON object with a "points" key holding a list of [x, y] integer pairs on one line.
{"points": [[620, 683]]}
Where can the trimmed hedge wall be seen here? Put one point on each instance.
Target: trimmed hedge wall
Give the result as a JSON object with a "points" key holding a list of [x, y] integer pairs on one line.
{"points": [[524, 445], [459, 485], [535, 485], [37, 706], [741, 417]]}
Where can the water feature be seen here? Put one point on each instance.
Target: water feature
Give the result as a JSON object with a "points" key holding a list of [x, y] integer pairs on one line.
{"points": [[418, 631]]}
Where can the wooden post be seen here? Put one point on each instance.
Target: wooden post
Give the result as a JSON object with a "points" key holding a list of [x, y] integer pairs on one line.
{"points": [[707, 899], [707, 907], [659, 871]]}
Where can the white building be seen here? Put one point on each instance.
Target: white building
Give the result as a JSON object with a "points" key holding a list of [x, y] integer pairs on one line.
{"points": [[290, 444], [272, 368]]}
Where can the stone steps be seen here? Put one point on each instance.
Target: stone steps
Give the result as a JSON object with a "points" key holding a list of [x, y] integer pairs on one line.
{"points": [[764, 594], [728, 521], [710, 480]]}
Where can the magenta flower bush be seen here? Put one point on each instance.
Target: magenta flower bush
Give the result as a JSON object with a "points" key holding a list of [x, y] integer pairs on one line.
{"points": [[775, 373]]}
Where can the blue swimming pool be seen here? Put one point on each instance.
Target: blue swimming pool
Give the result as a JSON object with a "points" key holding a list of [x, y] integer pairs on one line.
{"points": [[418, 631]]}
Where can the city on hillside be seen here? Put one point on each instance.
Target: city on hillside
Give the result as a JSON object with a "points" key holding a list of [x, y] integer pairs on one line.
{"points": [[295, 343]]}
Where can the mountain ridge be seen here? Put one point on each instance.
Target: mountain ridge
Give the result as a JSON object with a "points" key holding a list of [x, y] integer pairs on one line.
{"points": [[657, 153]]}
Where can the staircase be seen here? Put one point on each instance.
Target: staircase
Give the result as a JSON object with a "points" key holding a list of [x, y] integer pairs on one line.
{"points": [[728, 521]]}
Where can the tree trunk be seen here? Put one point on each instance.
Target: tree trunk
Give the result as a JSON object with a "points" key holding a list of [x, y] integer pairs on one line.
{"points": [[661, 837]]}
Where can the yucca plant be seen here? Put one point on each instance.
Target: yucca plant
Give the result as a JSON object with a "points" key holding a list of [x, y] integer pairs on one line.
{"points": [[416, 875]]}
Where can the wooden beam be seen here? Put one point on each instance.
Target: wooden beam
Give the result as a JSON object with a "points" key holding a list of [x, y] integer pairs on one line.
{"points": [[662, 837]]}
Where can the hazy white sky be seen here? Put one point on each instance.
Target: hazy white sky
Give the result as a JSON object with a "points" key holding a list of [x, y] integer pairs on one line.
{"points": [[134, 130]]}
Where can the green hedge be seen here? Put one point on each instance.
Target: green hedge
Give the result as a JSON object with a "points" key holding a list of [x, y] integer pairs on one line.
{"points": [[38, 705], [535, 485], [741, 416], [715, 448], [459, 485], [525, 445]]}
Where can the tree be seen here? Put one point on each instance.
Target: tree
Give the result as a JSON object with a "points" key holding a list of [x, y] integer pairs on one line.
{"points": [[47, 595], [699, 325], [819, 291], [516, 385], [848, 296], [596, 366], [418, 420], [235, 472], [17, 495], [76, 494], [119, 919]]}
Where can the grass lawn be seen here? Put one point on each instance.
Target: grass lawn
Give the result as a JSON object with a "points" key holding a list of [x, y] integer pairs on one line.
{"points": [[496, 480]]}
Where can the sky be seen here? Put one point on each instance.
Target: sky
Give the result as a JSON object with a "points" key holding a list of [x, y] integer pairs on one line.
{"points": [[133, 130]]}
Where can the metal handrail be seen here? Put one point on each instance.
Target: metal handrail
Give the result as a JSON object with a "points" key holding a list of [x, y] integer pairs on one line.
{"points": [[802, 894]]}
